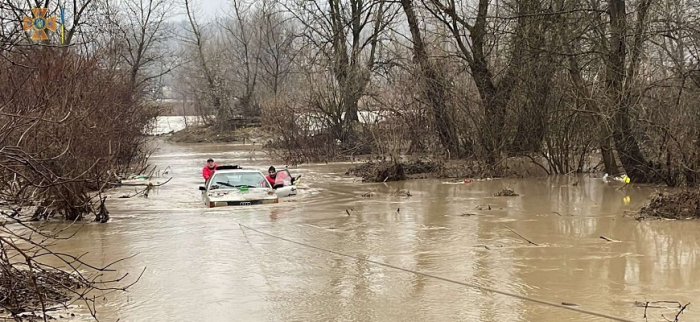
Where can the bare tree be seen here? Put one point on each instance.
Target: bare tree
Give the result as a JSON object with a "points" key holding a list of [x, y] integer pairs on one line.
{"points": [[542, 79], [347, 35], [203, 68], [243, 51], [144, 35], [277, 46], [495, 93], [10, 30], [620, 77], [435, 90], [540, 43]]}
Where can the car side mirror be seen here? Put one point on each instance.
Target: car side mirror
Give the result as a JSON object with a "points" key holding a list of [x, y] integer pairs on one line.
{"points": [[202, 188]]}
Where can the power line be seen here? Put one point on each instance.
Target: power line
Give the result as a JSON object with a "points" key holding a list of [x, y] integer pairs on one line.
{"points": [[558, 305]]}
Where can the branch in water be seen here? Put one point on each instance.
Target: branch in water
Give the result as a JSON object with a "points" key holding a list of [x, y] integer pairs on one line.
{"points": [[527, 240]]}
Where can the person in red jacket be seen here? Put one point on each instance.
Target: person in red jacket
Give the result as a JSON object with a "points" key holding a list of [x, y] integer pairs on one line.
{"points": [[208, 169], [272, 173], [280, 179]]}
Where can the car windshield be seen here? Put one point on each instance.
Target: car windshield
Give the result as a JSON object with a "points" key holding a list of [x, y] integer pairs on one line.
{"points": [[238, 179]]}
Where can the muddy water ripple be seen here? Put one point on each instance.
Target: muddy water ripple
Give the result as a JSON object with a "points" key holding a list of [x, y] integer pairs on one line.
{"points": [[202, 266]]}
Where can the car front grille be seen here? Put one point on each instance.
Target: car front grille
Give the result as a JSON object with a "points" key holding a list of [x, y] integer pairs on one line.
{"points": [[244, 203]]}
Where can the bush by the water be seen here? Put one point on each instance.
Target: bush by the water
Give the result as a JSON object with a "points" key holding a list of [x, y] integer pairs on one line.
{"points": [[67, 126], [35, 280], [679, 205], [507, 192]]}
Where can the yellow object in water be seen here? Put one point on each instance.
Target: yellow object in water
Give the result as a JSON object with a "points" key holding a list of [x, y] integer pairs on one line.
{"points": [[626, 200], [627, 179]]}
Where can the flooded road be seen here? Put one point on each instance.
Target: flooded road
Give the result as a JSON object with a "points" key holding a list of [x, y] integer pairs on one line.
{"points": [[202, 265]]}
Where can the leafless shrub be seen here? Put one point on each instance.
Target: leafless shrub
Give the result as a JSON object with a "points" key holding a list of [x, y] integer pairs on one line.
{"points": [[405, 125], [301, 136], [67, 126]]}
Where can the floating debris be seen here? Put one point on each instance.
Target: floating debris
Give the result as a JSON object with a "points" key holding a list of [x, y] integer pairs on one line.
{"points": [[679, 205], [609, 239], [53, 286]]}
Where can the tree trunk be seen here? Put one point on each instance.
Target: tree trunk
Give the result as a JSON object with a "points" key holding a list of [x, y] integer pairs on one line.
{"points": [[604, 128], [628, 148], [538, 74], [494, 96], [434, 87], [607, 152]]}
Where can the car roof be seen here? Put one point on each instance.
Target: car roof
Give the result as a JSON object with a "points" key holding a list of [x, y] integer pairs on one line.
{"points": [[236, 170]]}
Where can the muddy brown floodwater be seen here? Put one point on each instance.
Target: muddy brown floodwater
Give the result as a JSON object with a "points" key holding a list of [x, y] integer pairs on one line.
{"points": [[201, 265]]}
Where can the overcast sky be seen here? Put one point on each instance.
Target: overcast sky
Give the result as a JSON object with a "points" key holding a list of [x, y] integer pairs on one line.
{"points": [[206, 9]]}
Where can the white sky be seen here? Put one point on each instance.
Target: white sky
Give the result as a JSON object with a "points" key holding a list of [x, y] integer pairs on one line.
{"points": [[205, 9]]}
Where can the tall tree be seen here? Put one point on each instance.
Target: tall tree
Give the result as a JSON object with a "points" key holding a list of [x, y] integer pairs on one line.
{"points": [[582, 24], [346, 33], [278, 52], [434, 86], [620, 77], [203, 67], [471, 39], [243, 50], [144, 34]]}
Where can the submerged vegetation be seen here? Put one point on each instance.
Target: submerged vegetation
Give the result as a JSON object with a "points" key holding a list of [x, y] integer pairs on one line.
{"points": [[34, 280], [383, 171], [678, 205]]}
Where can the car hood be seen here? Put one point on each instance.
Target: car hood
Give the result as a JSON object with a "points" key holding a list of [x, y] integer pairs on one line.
{"points": [[235, 194]]}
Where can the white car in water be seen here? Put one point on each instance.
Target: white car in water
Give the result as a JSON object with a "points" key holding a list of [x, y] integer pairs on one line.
{"points": [[233, 186]]}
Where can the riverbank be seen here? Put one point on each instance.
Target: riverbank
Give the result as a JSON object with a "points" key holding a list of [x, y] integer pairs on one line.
{"points": [[417, 168], [208, 134], [373, 170]]}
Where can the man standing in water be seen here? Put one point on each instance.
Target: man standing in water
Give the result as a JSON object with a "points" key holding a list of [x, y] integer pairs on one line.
{"points": [[209, 169]]}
